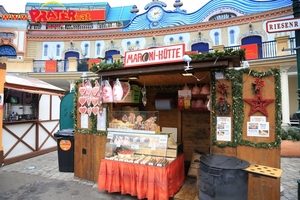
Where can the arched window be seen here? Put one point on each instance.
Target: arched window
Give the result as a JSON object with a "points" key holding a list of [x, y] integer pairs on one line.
{"points": [[86, 49], [98, 49], [231, 36], [180, 38], [222, 16], [46, 50], [201, 47], [8, 51], [109, 55], [58, 50], [217, 42], [171, 39]]}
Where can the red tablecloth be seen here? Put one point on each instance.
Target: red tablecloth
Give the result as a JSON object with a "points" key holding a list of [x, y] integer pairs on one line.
{"points": [[143, 181]]}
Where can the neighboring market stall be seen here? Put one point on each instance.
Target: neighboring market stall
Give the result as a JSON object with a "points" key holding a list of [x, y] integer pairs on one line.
{"points": [[30, 117], [208, 103]]}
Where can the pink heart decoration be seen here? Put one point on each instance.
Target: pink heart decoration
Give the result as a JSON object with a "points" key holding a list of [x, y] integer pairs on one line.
{"points": [[97, 84], [89, 111], [88, 89], [88, 100], [95, 90], [95, 101], [82, 100], [82, 90], [82, 109], [95, 110]]}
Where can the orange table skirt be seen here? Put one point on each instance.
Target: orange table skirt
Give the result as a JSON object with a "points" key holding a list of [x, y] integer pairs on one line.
{"points": [[143, 181]]}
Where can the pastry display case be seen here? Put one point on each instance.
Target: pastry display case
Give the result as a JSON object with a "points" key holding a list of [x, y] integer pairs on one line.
{"points": [[139, 148], [137, 121]]}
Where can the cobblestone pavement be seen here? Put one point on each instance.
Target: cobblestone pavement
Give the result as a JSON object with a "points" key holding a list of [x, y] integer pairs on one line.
{"points": [[47, 166], [289, 178]]}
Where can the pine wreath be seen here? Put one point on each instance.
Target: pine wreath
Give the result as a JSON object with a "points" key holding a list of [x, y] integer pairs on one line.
{"points": [[222, 107]]}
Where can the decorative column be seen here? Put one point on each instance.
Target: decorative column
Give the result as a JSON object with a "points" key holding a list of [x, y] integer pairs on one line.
{"points": [[218, 48], [72, 64], [72, 85], [282, 42], [296, 9], [285, 97]]}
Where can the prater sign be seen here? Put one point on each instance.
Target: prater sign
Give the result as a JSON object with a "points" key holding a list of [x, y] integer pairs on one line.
{"points": [[167, 54], [60, 15]]}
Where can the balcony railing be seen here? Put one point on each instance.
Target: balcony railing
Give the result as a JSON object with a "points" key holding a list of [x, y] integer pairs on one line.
{"points": [[265, 50], [40, 66], [82, 65], [74, 26]]}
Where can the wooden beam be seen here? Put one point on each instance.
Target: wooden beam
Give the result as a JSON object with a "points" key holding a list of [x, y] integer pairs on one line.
{"points": [[2, 81]]}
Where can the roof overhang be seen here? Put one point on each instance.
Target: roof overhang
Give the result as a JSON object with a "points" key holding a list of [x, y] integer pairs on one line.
{"points": [[31, 85]]}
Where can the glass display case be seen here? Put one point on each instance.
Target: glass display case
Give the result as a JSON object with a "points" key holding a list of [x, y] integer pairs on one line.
{"points": [[139, 121], [139, 148]]}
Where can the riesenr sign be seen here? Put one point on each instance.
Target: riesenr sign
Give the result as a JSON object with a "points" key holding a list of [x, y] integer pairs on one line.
{"points": [[282, 25]]}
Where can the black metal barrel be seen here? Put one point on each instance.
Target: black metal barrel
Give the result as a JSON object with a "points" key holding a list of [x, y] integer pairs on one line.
{"points": [[223, 178]]}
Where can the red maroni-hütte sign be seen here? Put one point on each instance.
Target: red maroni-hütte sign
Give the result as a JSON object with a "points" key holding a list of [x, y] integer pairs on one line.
{"points": [[166, 54], [281, 25], [66, 15]]}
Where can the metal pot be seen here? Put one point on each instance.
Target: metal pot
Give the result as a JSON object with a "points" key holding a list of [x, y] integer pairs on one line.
{"points": [[223, 177]]}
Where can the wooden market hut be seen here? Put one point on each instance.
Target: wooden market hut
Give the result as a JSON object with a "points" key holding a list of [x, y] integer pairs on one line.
{"points": [[197, 128]]}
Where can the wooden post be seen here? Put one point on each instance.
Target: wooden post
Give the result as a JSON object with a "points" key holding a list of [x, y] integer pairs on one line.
{"points": [[2, 81]]}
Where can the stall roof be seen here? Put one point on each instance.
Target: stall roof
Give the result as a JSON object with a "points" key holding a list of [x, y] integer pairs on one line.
{"points": [[31, 85]]}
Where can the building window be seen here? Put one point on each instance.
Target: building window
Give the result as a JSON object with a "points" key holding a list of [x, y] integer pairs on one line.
{"points": [[231, 35], [180, 38], [8, 52], [98, 48], [217, 42], [222, 16], [46, 50], [57, 50], [86, 49], [6, 35]]}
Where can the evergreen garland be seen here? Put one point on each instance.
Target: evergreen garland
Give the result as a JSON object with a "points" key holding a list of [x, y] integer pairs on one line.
{"points": [[92, 117], [236, 76]]}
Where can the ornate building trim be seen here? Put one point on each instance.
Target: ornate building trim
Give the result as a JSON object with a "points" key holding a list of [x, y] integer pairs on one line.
{"points": [[201, 40], [44, 35], [221, 11], [154, 44], [252, 33], [72, 48], [113, 47]]}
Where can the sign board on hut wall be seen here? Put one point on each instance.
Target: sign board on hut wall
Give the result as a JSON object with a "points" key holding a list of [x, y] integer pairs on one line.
{"points": [[166, 54]]}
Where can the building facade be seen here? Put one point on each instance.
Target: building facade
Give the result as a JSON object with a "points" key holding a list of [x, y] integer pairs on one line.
{"points": [[27, 45]]}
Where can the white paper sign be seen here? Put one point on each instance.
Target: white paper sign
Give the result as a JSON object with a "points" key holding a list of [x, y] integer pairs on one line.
{"points": [[224, 128], [258, 129], [84, 121]]}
